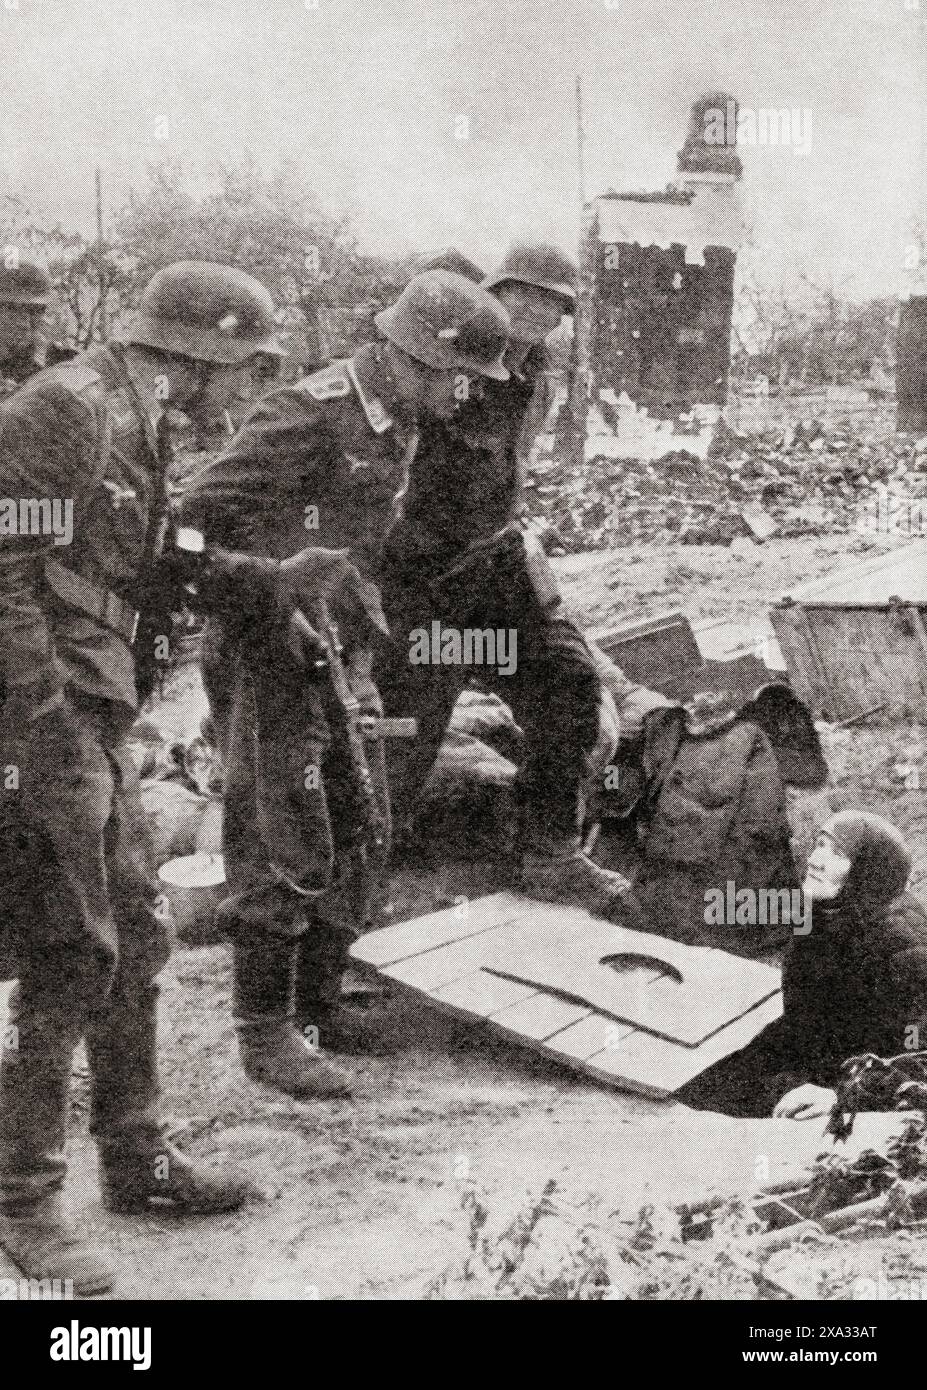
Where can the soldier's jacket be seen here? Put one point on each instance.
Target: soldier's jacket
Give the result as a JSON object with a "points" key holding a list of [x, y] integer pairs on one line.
{"points": [[323, 462], [465, 481], [77, 433], [327, 451]]}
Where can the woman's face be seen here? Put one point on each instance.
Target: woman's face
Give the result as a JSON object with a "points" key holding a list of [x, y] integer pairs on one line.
{"points": [[827, 870]]}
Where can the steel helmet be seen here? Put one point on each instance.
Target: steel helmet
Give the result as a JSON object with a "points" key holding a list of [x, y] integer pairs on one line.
{"points": [[210, 312], [26, 284], [451, 259], [447, 322], [539, 264]]}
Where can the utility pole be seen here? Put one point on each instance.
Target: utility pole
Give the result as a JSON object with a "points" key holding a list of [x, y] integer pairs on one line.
{"points": [[571, 431], [580, 147], [101, 263]]}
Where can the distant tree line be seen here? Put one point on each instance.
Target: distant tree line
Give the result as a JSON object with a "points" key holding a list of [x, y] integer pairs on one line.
{"points": [[270, 225]]}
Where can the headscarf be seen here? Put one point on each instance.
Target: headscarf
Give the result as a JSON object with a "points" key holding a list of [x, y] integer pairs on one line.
{"points": [[880, 861]]}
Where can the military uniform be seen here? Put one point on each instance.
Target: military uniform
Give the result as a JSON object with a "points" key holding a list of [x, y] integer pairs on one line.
{"points": [[25, 290], [84, 453], [80, 901], [465, 485], [323, 461]]}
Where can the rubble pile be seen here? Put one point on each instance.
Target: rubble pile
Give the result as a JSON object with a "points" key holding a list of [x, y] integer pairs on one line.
{"points": [[809, 477]]}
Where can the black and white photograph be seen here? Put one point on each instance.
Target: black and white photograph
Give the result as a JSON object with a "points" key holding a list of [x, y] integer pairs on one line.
{"points": [[463, 661]]}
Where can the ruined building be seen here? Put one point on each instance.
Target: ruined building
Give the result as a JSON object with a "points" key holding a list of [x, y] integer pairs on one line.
{"points": [[654, 319]]}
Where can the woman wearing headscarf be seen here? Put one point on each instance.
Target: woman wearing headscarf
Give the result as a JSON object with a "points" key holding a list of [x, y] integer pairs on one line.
{"points": [[855, 982]]}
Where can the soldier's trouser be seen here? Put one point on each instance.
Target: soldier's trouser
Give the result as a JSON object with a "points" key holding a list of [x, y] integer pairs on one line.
{"points": [[553, 692], [89, 940], [309, 775]]}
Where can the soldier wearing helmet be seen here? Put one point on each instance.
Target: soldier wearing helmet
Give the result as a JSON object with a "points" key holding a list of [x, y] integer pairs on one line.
{"points": [[83, 931], [25, 290], [537, 285], [465, 490], [327, 460]]}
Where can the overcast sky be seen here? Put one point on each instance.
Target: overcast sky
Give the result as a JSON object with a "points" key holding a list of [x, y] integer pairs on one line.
{"points": [[365, 96]]}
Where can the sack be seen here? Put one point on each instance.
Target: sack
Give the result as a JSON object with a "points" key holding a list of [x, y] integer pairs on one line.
{"points": [[719, 816]]}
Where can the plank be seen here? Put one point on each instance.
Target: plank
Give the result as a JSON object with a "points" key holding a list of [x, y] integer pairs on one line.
{"points": [[802, 661], [390, 944], [537, 1017], [872, 582], [431, 969], [481, 994], [873, 657], [643, 1062], [700, 991], [587, 1038]]}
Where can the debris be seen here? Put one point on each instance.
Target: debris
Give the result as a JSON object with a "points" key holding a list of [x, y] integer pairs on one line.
{"points": [[802, 479], [759, 522], [858, 718]]}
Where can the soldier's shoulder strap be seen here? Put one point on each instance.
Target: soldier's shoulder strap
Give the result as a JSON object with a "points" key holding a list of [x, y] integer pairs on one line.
{"points": [[77, 375], [339, 380], [378, 417], [83, 379]]}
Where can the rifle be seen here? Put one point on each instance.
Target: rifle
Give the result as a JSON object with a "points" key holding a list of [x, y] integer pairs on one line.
{"points": [[322, 647], [344, 709]]}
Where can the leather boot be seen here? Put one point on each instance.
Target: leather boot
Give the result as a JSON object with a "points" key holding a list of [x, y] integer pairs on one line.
{"points": [[272, 1051], [35, 1075], [139, 1170], [352, 1029], [138, 1179], [558, 870], [348, 1017], [42, 1242]]}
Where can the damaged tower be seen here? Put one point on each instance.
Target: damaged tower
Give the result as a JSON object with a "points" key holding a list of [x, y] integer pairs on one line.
{"points": [[653, 325]]}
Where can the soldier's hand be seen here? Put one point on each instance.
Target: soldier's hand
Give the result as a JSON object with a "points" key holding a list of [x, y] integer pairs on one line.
{"points": [[317, 573], [305, 645]]}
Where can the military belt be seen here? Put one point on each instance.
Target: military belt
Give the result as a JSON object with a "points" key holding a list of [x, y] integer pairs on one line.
{"points": [[97, 602]]}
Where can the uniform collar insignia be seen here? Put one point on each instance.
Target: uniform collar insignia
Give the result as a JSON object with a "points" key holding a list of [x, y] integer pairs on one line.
{"points": [[378, 417]]}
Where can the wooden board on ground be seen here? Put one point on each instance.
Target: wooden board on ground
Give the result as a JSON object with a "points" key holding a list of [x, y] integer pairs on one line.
{"points": [[629, 1008]]}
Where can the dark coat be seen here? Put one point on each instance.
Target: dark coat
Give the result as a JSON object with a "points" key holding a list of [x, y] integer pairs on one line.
{"points": [[329, 443], [714, 811], [856, 983], [52, 435], [465, 481]]}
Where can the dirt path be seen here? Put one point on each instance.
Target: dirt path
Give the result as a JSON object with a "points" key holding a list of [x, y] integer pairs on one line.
{"points": [[362, 1198]]}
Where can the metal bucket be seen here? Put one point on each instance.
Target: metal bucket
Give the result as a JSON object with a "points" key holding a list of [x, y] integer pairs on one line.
{"points": [[195, 885]]}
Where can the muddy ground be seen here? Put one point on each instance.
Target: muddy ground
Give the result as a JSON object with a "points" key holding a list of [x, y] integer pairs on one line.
{"points": [[362, 1198]]}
